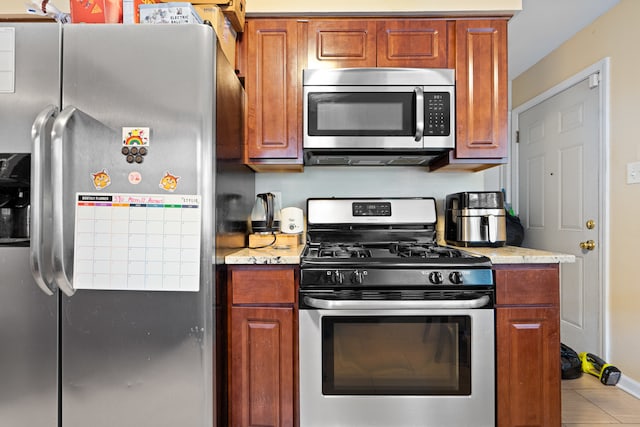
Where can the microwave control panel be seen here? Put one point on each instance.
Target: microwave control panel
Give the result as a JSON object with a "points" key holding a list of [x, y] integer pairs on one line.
{"points": [[437, 113]]}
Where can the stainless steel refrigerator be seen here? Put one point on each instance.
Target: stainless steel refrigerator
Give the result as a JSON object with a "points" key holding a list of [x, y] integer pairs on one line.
{"points": [[121, 186]]}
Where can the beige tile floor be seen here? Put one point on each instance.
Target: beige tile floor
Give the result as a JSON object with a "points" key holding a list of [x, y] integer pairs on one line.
{"points": [[588, 403]]}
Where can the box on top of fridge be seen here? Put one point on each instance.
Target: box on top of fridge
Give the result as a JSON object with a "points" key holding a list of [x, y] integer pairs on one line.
{"points": [[96, 11], [169, 13], [131, 10], [222, 26], [234, 10]]}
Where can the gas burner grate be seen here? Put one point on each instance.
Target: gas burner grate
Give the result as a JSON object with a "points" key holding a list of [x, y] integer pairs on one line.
{"points": [[414, 250], [344, 251]]}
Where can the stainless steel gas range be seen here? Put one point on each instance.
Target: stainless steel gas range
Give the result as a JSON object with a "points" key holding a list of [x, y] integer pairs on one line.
{"points": [[395, 330]]}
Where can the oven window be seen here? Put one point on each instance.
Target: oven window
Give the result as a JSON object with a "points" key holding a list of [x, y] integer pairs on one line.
{"points": [[396, 355], [361, 114]]}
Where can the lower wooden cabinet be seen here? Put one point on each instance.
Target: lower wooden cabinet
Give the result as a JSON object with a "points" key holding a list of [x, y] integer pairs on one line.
{"points": [[528, 345], [262, 346]]}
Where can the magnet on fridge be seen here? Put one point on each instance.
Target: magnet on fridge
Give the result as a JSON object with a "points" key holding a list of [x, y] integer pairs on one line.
{"points": [[135, 178], [169, 182], [132, 136], [101, 179]]}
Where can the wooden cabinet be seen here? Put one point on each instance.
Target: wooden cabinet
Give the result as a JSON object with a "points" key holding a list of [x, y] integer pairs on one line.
{"points": [[528, 345], [273, 52], [269, 63], [336, 43], [413, 43], [341, 43], [481, 96], [262, 346]]}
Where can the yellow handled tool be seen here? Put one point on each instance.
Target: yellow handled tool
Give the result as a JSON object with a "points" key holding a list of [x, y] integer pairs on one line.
{"points": [[606, 373]]}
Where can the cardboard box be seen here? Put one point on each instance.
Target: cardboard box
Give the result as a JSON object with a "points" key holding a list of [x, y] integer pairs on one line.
{"points": [[169, 13], [96, 11], [223, 28], [131, 10], [233, 9], [90, 12]]}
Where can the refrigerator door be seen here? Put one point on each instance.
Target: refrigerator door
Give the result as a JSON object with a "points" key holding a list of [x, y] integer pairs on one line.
{"points": [[135, 358], [29, 82]]}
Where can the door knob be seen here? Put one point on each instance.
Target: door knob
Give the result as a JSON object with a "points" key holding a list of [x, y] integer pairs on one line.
{"points": [[588, 245]]}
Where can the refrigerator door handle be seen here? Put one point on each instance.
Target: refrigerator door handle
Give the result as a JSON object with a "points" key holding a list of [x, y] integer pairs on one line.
{"points": [[41, 267], [61, 265]]}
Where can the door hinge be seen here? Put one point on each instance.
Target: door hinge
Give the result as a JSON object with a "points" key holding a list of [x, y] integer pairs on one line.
{"points": [[594, 80], [517, 137]]}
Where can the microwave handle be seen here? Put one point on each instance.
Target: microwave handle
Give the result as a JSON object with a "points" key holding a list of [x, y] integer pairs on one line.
{"points": [[419, 113]]}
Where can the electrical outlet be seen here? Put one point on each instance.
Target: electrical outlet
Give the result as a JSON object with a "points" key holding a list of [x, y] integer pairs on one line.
{"points": [[633, 173]]}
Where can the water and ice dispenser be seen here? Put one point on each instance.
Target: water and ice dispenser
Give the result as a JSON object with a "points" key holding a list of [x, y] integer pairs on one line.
{"points": [[15, 208]]}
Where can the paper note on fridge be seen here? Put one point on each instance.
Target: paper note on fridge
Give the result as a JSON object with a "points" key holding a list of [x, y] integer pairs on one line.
{"points": [[137, 242]]}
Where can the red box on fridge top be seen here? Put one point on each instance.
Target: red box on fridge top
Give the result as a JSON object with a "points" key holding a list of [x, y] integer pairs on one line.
{"points": [[96, 11]]}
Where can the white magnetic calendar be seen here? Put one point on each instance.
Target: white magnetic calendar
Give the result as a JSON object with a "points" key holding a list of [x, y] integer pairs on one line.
{"points": [[137, 242]]}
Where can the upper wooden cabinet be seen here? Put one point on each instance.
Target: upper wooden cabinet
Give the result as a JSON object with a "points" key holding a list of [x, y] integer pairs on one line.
{"points": [[338, 43], [269, 61], [412, 43], [342, 43], [481, 95]]}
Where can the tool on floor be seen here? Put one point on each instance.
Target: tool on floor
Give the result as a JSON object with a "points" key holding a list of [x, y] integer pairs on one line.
{"points": [[606, 373]]}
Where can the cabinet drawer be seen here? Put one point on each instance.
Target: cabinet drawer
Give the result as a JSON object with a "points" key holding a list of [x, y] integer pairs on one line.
{"points": [[528, 286], [257, 286]]}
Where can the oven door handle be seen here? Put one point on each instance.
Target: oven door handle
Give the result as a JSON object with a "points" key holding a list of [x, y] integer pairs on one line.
{"points": [[395, 304]]}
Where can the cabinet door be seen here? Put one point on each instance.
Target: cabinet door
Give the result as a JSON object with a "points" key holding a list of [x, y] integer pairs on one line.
{"points": [[416, 43], [338, 43], [262, 367], [528, 366], [481, 89], [271, 84]]}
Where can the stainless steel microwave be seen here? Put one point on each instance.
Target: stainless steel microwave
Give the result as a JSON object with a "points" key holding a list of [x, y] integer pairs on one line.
{"points": [[370, 116]]}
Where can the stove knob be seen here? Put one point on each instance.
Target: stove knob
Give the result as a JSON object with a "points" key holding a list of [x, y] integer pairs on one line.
{"points": [[338, 277], [435, 277], [357, 277], [455, 277]]}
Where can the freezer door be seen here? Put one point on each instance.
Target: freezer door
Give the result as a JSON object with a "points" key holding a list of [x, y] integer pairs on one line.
{"points": [[135, 358], [29, 83]]}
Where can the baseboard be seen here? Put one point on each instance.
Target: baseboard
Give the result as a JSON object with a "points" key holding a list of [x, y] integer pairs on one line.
{"points": [[629, 385]]}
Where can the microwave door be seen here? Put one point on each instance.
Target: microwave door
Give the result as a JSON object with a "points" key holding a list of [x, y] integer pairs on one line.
{"points": [[359, 117]]}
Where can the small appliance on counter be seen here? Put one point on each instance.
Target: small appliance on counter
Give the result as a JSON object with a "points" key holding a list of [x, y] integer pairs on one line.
{"points": [[291, 220], [475, 219], [267, 223], [265, 215]]}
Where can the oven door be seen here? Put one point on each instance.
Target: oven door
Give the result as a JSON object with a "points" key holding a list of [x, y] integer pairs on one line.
{"points": [[396, 367], [378, 117]]}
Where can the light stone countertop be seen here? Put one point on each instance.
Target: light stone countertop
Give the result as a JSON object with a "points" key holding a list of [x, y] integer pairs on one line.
{"points": [[270, 255], [518, 255], [502, 255]]}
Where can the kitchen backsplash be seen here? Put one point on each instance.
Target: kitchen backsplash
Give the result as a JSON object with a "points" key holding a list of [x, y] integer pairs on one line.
{"points": [[327, 181]]}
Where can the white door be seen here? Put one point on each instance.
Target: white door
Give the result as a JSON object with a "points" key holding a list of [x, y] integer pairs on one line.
{"points": [[559, 200]]}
